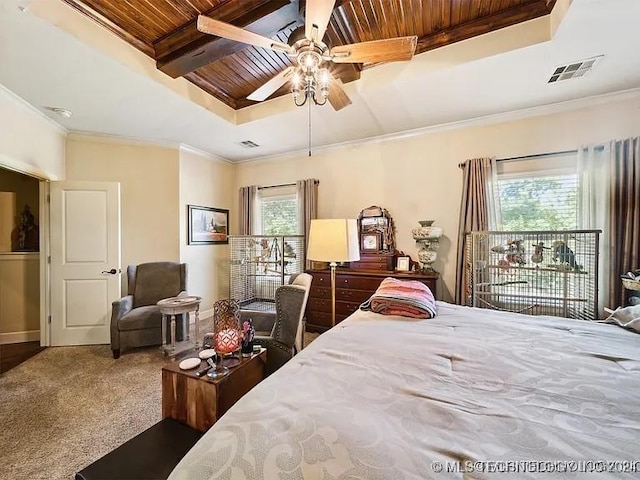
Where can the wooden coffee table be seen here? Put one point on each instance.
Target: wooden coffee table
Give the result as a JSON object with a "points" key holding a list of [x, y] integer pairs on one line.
{"points": [[200, 401]]}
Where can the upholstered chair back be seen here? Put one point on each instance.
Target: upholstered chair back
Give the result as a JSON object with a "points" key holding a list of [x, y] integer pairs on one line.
{"points": [[289, 304], [301, 280], [151, 282]]}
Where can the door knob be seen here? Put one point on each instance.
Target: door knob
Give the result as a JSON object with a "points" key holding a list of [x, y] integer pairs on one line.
{"points": [[113, 271]]}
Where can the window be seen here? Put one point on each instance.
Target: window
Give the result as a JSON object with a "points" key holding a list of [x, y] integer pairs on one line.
{"points": [[539, 196], [279, 211]]}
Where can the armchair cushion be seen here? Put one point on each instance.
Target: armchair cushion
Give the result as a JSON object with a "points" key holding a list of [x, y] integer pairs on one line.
{"points": [[141, 318]]}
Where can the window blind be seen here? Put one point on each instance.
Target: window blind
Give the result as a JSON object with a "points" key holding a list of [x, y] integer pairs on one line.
{"points": [[539, 202]]}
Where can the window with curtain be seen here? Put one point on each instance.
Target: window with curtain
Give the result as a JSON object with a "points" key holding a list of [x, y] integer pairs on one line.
{"points": [[566, 192], [279, 211], [538, 194]]}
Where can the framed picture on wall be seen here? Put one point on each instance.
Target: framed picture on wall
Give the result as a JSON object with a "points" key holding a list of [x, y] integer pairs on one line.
{"points": [[207, 225]]}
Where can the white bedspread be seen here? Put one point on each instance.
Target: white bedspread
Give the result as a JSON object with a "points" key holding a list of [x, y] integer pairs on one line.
{"points": [[384, 398]]}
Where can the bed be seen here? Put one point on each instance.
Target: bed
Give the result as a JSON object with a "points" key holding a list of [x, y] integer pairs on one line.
{"points": [[394, 398]]}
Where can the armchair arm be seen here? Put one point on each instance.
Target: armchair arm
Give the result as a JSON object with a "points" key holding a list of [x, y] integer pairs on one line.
{"points": [[119, 309]]}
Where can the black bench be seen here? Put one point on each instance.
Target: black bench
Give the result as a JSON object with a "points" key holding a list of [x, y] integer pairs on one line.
{"points": [[151, 455]]}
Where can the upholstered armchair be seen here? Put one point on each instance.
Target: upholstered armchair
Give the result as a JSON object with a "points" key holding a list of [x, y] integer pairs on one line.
{"points": [[285, 338], [136, 320]]}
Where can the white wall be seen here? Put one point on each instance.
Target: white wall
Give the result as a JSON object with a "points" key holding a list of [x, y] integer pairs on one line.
{"points": [[148, 177], [208, 182], [418, 178], [28, 141]]}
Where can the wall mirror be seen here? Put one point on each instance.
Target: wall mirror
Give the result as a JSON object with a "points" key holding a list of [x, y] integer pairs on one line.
{"points": [[376, 230]]}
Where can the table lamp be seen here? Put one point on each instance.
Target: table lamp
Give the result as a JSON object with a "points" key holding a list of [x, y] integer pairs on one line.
{"points": [[333, 240]]}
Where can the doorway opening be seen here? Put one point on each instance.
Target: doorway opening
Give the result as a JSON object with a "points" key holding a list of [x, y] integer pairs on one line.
{"points": [[21, 292]]}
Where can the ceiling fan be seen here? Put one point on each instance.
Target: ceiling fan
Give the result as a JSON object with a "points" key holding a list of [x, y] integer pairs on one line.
{"points": [[310, 77]]}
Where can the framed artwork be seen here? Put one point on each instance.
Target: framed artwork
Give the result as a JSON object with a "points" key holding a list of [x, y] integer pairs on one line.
{"points": [[403, 264], [370, 242], [207, 225]]}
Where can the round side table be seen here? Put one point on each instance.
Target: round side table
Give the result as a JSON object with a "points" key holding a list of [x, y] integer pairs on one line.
{"points": [[170, 308]]}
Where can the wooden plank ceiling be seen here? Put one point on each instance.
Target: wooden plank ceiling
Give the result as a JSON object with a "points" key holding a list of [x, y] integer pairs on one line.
{"points": [[166, 31]]}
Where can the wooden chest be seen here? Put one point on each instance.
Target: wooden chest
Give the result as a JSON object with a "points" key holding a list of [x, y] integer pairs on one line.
{"points": [[374, 261], [352, 288]]}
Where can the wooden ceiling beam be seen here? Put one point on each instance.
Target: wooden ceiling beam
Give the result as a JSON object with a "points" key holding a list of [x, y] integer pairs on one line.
{"points": [[479, 26], [186, 49]]}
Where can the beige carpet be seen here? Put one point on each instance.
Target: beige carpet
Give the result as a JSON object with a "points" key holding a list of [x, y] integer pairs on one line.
{"points": [[68, 406]]}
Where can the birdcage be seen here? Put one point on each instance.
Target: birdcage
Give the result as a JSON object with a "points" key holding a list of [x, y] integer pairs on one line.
{"points": [[259, 265], [537, 273]]}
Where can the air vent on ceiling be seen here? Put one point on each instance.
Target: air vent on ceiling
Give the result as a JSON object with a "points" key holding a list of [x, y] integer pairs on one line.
{"points": [[574, 70], [249, 144]]}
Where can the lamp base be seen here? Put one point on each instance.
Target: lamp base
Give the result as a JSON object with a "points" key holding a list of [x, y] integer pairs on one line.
{"points": [[333, 266], [219, 372]]}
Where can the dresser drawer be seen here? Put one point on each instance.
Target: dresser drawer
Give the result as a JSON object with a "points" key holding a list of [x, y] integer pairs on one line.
{"points": [[319, 292], [322, 320], [319, 304], [359, 283], [324, 306], [346, 308], [377, 265], [343, 294], [318, 319], [321, 280], [346, 295]]}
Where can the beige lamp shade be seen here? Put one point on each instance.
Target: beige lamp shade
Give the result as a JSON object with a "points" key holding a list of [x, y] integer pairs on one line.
{"points": [[333, 240]]}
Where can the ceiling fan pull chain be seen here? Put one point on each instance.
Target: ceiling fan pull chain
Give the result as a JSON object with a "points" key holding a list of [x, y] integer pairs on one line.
{"points": [[309, 128]]}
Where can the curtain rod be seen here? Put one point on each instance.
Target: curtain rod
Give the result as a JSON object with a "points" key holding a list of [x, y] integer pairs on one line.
{"points": [[540, 155], [317, 182]]}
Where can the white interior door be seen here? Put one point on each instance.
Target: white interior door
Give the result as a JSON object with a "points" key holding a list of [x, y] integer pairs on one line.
{"points": [[85, 260]]}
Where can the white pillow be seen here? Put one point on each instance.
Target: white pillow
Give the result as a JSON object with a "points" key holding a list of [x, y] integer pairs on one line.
{"points": [[627, 317]]}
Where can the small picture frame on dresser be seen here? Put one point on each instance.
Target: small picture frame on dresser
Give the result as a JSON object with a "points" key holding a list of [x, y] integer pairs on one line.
{"points": [[403, 264]]}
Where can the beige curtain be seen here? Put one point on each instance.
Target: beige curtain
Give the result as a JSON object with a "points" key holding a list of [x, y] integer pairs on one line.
{"points": [[478, 199], [307, 192], [624, 233], [248, 200]]}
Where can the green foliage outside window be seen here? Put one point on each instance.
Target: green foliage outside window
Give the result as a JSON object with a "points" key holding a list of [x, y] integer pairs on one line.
{"points": [[280, 217], [539, 203]]}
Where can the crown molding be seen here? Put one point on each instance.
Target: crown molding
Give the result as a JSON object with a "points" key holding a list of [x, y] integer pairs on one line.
{"points": [[120, 139], [549, 109], [27, 106], [188, 148]]}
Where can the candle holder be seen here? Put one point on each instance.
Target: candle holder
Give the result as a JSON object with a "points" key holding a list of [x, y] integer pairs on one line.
{"points": [[226, 333]]}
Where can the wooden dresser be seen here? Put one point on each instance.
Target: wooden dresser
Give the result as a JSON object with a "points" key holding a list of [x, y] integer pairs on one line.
{"points": [[352, 288]]}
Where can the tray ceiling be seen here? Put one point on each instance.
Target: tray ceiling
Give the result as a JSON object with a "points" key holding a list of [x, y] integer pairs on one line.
{"points": [[230, 71]]}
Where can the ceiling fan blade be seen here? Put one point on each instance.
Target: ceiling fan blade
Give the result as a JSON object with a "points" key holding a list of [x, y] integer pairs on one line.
{"points": [[269, 88], [338, 98], [376, 51], [317, 18], [226, 30]]}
